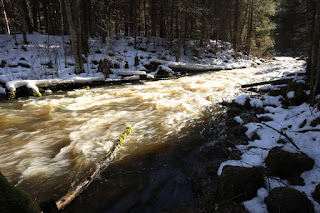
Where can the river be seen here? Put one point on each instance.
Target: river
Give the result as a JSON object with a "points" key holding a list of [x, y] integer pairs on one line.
{"points": [[50, 143]]}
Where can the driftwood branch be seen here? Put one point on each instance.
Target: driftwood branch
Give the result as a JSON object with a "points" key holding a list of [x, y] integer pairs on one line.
{"points": [[283, 134], [73, 193]]}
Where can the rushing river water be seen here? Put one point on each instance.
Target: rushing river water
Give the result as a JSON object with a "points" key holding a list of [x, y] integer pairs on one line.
{"points": [[48, 144]]}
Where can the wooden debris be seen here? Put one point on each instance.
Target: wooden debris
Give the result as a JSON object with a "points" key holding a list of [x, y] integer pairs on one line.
{"points": [[72, 194], [280, 81]]}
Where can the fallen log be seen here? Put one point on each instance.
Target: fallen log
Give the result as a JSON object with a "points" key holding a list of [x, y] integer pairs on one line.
{"points": [[194, 68], [50, 207], [279, 81]]}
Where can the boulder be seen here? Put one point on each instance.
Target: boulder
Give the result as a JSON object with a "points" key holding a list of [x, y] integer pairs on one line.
{"points": [[217, 151], [287, 165], [3, 64], [288, 200], [13, 199], [316, 193], [299, 94], [239, 184]]}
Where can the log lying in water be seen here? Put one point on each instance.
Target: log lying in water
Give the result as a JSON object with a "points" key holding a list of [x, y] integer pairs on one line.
{"points": [[280, 81], [73, 193]]}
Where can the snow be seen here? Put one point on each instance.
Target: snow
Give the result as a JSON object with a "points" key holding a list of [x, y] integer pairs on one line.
{"points": [[272, 100], [241, 100], [239, 119], [45, 57], [290, 94], [256, 103], [288, 122], [257, 205]]}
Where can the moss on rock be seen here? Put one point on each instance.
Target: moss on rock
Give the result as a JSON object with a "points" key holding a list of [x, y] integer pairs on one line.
{"points": [[13, 199], [288, 200], [286, 164], [240, 183]]}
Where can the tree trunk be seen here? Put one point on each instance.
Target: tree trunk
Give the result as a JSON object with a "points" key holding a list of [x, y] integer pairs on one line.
{"points": [[5, 18], [62, 33], [145, 19], [73, 37], [235, 28], [171, 24], [85, 9], [250, 27], [35, 12], [315, 57], [244, 23]]}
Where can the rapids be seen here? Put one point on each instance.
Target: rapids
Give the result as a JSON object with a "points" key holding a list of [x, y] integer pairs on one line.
{"points": [[48, 144]]}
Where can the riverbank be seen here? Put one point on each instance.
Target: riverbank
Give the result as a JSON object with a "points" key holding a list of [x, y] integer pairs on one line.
{"points": [[267, 159], [45, 64]]}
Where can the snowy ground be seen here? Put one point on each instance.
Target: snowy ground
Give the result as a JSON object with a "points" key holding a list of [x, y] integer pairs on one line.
{"points": [[291, 122], [47, 57]]}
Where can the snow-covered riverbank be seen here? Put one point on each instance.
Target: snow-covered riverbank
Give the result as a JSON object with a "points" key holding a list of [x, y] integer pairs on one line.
{"points": [[49, 59], [284, 139]]}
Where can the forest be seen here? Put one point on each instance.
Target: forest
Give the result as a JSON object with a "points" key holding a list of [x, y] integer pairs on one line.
{"points": [[253, 26]]}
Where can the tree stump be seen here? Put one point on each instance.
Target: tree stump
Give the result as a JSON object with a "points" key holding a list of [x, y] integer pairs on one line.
{"points": [[104, 67]]}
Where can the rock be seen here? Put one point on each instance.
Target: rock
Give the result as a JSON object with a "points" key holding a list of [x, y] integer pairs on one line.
{"points": [[231, 207], [282, 141], [240, 183], [13, 199], [286, 164], [95, 62], [316, 193], [231, 122], [24, 65], [299, 94], [265, 118], [142, 49], [49, 64], [217, 151], [3, 64], [288, 200], [234, 110], [280, 91], [315, 122], [238, 130]]}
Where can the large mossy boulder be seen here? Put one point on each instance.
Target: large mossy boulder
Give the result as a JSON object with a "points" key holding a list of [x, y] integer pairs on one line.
{"points": [[316, 193], [13, 199], [239, 184], [288, 200], [287, 165]]}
